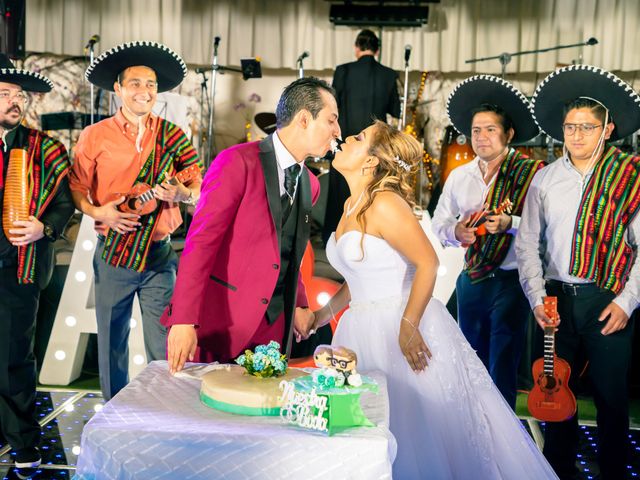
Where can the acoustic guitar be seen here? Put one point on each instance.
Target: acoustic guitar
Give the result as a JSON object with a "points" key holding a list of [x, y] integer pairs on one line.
{"points": [[478, 219], [550, 399], [141, 200]]}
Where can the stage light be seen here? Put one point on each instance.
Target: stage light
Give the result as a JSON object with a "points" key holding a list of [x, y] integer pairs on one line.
{"points": [[60, 355], [70, 321], [80, 276], [87, 245], [69, 408], [323, 298], [76, 450], [98, 407], [138, 359], [133, 323], [442, 271]]}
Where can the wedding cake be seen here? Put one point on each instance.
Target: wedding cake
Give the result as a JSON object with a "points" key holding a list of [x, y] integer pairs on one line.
{"points": [[232, 389]]}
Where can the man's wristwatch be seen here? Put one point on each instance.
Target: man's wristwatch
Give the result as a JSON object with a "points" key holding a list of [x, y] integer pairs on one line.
{"points": [[49, 232], [191, 200]]}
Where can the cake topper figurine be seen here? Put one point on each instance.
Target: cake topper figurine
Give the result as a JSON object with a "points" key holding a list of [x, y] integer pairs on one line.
{"points": [[322, 356]]}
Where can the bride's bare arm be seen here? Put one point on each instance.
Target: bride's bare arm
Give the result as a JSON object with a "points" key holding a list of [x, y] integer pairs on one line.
{"points": [[391, 218], [333, 306]]}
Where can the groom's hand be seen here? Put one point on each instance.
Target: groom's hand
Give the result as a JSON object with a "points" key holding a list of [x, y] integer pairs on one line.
{"points": [[302, 322], [181, 345]]}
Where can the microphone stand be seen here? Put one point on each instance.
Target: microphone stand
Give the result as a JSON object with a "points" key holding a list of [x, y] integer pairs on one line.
{"points": [[204, 94], [300, 67], [212, 105], [403, 113], [91, 104], [505, 58]]}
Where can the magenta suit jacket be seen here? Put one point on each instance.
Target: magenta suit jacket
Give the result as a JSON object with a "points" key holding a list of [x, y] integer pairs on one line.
{"points": [[231, 259]]}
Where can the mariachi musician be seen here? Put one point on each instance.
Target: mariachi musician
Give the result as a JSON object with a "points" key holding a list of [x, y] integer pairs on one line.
{"points": [[34, 190], [492, 309], [134, 253], [578, 241]]}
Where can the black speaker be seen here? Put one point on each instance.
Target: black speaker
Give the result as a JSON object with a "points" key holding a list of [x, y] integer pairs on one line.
{"points": [[378, 15], [12, 27]]}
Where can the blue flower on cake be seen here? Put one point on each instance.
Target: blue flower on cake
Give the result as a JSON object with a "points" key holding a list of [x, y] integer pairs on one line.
{"points": [[259, 361]]}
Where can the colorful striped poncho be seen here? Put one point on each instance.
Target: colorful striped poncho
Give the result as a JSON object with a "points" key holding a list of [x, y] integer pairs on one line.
{"points": [[172, 152], [49, 164], [610, 201], [489, 251]]}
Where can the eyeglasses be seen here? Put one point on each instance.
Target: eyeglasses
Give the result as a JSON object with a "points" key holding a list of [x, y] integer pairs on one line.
{"points": [[19, 97], [342, 363], [585, 128]]}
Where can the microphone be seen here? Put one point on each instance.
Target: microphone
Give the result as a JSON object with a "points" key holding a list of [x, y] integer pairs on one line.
{"points": [[92, 41], [591, 41], [407, 53], [216, 42], [303, 55]]}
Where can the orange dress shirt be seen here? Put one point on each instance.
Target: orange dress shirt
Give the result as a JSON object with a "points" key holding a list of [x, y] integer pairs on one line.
{"points": [[106, 165]]}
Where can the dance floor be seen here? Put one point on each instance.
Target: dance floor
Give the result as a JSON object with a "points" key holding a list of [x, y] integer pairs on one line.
{"points": [[63, 415]]}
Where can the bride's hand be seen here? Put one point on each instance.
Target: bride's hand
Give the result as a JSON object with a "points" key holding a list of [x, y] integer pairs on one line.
{"points": [[413, 346]]}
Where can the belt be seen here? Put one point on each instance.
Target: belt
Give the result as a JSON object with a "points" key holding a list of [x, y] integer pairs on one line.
{"points": [[8, 262], [574, 289], [498, 273]]}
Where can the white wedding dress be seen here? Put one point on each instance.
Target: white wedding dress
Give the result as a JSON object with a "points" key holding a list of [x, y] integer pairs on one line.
{"points": [[450, 421]]}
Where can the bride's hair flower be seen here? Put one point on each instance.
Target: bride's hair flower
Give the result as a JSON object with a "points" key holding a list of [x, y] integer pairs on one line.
{"points": [[404, 165]]}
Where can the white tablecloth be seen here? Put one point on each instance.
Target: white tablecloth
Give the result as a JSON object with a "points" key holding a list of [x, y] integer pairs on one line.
{"points": [[156, 428]]}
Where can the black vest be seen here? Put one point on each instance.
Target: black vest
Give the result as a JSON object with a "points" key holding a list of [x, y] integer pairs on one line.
{"points": [[287, 243]]}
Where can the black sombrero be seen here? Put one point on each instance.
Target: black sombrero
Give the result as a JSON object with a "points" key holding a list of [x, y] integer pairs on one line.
{"points": [[29, 81], [169, 67], [568, 83], [481, 89]]}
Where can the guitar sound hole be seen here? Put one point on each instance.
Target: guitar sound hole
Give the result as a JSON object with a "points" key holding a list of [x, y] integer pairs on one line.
{"points": [[549, 383]]}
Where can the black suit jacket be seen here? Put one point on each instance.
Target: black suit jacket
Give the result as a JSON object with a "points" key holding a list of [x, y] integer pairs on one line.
{"points": [[365, 89]]}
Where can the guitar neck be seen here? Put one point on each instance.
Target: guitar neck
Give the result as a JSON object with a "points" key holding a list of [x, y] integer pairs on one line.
{"points": [[549, 350]]}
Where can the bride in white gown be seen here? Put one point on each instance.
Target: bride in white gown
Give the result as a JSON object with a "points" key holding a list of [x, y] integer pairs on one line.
{"points": [[449, 419]]}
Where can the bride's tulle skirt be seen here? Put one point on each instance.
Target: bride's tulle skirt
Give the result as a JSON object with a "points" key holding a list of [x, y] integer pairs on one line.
{"points": [[450, 421]]}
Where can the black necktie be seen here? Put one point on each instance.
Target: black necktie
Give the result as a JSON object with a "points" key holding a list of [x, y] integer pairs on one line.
{"points": [[290, 180]]}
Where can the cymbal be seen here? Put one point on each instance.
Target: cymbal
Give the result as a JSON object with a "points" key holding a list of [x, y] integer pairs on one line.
{"points": [[266, 121]]}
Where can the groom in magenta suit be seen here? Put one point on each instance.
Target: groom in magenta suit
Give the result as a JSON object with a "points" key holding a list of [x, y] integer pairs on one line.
{"points": [[238, 284]]}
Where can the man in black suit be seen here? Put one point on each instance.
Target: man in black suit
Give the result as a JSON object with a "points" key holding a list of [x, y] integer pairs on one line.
{"points": [[365, 90]]}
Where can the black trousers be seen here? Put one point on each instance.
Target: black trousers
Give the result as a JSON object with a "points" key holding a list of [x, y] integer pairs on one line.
{"points": [[493, 315], [18, 307], [579, 336]]}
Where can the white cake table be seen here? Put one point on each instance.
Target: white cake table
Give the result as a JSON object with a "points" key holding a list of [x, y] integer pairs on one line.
{"points": [[156, 428]]}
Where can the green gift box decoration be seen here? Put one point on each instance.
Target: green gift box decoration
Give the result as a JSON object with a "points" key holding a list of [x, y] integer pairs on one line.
{"points": [[325, 408]]}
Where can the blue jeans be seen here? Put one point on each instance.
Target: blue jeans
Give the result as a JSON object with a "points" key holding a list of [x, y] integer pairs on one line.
{"points": [[493, 316], [115, 288]]}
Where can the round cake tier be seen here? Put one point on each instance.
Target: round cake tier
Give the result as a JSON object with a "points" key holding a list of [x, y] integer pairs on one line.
{"points": [[233, 390]]}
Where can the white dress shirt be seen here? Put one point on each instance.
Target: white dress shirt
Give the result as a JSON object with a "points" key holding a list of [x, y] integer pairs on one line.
{"points": [[284, 160], [464, 193], [545, 236]]}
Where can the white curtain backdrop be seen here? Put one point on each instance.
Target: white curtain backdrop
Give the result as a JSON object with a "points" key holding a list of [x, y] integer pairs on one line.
{"points": [[279, 30]]}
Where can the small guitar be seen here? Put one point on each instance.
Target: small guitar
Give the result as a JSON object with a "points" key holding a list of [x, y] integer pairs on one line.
{"points": [[550, 399], [478, 219], [141, 200]]}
